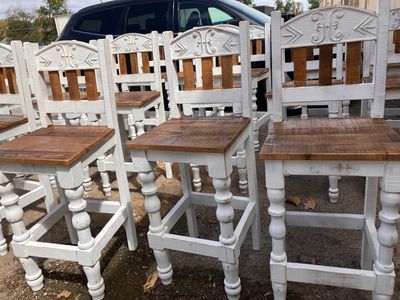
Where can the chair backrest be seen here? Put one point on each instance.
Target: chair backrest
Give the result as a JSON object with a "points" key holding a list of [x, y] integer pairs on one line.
{"points": [[138, 60], [14, 84], [328, 27], [394, 26], [206, 43], [72, 58]]}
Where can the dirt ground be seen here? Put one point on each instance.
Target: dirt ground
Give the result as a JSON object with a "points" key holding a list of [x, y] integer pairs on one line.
{"points": [[197, 277]]}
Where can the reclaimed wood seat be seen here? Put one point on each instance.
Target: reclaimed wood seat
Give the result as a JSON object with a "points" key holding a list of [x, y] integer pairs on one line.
{"points": [[136, 99], [209, 141], [209, 134], [55, 145], [336, 139], [9, 121], [392, 81], [334, 147]]}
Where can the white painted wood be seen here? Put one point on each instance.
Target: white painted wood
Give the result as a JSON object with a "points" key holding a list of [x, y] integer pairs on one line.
{"points": [[325, 220]]}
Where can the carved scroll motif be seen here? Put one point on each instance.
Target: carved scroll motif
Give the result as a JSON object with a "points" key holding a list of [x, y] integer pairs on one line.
{"points": [[327, 26], [6, 58], [395, 20]]}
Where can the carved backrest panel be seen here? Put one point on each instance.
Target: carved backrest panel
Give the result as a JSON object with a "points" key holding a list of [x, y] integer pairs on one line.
{"points": [[329, 25], [353, 32], [394, 25], [196, 52], [8, 81], [132, 42]]}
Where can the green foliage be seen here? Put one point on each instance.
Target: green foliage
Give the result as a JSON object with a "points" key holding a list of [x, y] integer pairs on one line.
{"points": [[3, 29], [313, 4], [290, 7], [247, 2], [45, 14], [20, 25]]}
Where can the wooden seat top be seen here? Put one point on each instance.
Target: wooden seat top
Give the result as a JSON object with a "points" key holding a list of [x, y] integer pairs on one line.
{"points": [[135, 99], [392, 81], [332, 139], [54, 145], [8, 121], [208, 135]]}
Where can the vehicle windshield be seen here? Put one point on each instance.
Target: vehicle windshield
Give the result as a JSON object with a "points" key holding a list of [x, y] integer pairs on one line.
{"points": [[252, 13]]}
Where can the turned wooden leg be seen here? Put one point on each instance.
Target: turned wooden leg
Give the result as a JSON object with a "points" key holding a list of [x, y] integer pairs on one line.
{"points": [[387, 238], [304, 112], [53, 181], [139, 127], [196, 177], [84, 120], [3, 242], [346, 104], [152, 205], [277, 230], [87, 182], [131, 127], [241, 165], [104, 177], [81, 222], [255, 118], [227, 237], [187, 190], [333, 189], [14, 213]]}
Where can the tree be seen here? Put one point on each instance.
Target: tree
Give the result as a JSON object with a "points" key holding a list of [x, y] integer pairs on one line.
{"points": [[290, 7], [20, 25], [45, 14], [247, 2], [3, 29], [313, 4]]}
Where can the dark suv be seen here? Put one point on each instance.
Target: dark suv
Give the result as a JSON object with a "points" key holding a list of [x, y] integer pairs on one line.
{"points": [[143, 16]]}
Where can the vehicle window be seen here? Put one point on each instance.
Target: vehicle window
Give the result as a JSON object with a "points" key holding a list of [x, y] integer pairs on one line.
{"points": [[193, 14], [218, 16], [145, 18], [102, 22]]}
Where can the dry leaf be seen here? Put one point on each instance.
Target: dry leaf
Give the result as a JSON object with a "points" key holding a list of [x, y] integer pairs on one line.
{"points": [[64, 294], [295, 200], [313, 260], [213, 221], [310, 204], [151, 281]]}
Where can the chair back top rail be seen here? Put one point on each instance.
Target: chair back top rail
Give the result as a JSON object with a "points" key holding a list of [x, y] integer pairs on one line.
{"points": [[205, 44], [71, 58], [326, 28]]}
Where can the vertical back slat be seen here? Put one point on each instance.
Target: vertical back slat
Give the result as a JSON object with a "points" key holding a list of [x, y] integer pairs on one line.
{"points": [[123, 68], [227, 71], [310, 53], [396, 41], [12, 80], [3, 86], [73, 85], [299, 56], [325, 64], [353, 63], [146, 62], [91, 86], [162, 56], [207, 74], [188, 74], [235, 60], [55, 85], [134, 63], [259, 45]]}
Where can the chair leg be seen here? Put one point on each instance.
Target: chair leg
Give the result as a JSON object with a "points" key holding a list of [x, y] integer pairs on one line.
{"points": [[81, 222], [187, 190], [241, 165], [49, 200], [53, 181], [346, 105], [364, 108], [304, 112], [196, 177], [73, 237], [255, 119], [387, 239], [371, 198], [14, 214], [104, 177], [277, 230], [3, 242], [139, 127], [333, 189], [131, 127], [152, 205], [87, 182], [168, 170], [227, 237]]}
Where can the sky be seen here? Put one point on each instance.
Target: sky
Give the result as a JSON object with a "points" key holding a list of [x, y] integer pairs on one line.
{"points": [[75, 5]]}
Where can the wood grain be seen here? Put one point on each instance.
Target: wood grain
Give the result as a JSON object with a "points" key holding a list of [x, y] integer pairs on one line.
{"points": [[353, 63], [91, 86], [123, 67], [325, 64], [54, 145], [134, 63], [207, 73], [396, 41], [55, 85], [3, 86], [211, 135], [8, 121], [299, 56], [331, 139], [146, 62], [227, 72], [188, 74], [135, 99], [73, 85], [12, 80]]}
